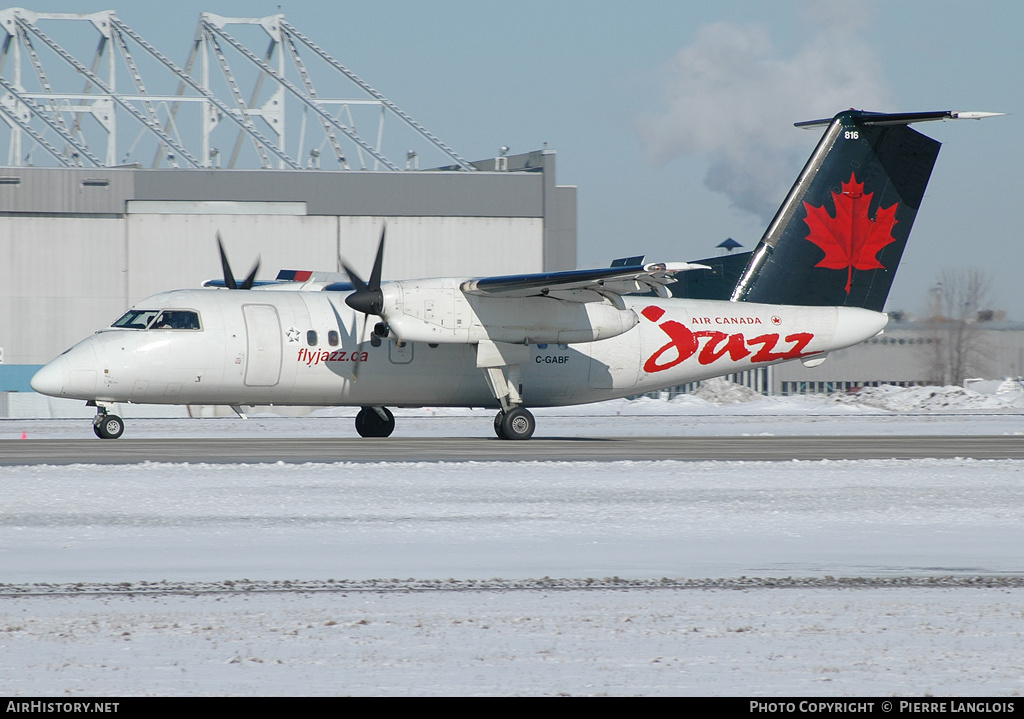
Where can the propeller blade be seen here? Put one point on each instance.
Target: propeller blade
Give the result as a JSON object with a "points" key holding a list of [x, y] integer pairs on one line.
{"points": [[368, 297], [354, 276], [229, 279], [378, 263], [250, 279]]}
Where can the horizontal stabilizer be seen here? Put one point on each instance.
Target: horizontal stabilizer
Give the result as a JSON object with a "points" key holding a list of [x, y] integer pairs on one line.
{"points": [[904, 118]]}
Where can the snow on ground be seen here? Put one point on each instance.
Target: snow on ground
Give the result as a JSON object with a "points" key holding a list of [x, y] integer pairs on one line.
{"points": [[932, 399], [429, 520], [767, 643], [192, 523]]}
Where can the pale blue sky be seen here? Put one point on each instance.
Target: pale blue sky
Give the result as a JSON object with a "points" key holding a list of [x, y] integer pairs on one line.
{"points": [[643, 101]]}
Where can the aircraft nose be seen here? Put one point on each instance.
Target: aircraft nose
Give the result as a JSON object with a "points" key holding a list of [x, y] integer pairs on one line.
{"points": [[73, 374], [50, 379]]}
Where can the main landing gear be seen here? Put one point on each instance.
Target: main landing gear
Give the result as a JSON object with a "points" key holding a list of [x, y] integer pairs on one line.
{"points": [[107, 426], [516, 423], [375, 422], [501, 365]]}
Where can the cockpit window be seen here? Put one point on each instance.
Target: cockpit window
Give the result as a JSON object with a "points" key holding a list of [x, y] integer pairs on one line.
{"points": [[159, 320], [136, 319], [177, 320]]}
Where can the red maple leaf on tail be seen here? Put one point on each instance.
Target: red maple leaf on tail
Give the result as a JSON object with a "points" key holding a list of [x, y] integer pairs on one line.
{"points": [[851, 240]]}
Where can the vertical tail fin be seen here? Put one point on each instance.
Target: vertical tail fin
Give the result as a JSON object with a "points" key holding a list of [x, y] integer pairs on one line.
{"points": [[839, 236]]}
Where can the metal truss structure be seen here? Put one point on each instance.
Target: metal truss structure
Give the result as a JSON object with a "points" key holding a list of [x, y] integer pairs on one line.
{"points": [[182, 116]]}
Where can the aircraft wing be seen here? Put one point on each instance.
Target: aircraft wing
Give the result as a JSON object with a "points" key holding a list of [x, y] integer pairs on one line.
{"points": [[606, 281]]}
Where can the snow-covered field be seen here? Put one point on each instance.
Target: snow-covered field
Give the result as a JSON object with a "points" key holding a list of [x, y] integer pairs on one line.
{"points": [[478, 520], [190, 529], [768, 643]]}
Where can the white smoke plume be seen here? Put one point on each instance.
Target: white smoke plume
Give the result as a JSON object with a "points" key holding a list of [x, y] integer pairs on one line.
{"points": [[732, 100]]}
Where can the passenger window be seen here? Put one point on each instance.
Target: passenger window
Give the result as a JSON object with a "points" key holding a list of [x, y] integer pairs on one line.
{"points": [[332, 338], [311, 338]]}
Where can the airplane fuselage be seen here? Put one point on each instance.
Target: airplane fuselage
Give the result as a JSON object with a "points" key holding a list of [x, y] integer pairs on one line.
{"points": [[310, 348]]}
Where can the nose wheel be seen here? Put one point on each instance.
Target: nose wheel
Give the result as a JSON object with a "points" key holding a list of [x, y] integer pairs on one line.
{"points": [[516, 423], [108, 426]]}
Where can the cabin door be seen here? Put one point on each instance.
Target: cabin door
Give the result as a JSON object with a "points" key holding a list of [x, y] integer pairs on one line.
{"points": [[263, 328]]}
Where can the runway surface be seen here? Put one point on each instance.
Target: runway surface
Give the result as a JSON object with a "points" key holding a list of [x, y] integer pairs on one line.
{"points": [[460, 449]]}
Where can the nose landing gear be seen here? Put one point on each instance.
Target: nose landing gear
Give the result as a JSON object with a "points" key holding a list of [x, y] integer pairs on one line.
{"points": [[107, 426]]}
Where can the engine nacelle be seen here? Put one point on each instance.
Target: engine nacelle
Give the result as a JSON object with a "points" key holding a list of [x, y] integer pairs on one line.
{"points": [[438, 311]]}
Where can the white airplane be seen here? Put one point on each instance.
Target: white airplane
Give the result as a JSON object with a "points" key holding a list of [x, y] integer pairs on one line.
{"points": [[815, 283]]}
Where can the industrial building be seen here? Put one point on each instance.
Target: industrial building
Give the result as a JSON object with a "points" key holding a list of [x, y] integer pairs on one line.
{"points": [[110, 195], [82, 245], [910, 353]]}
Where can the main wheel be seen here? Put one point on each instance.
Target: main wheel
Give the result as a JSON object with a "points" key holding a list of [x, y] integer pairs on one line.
{"points": [[370, 424], [518, 423], [108, 426], [498, 418]]}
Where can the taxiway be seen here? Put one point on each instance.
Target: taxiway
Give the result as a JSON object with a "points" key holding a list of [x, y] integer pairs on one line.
{"points": [[462, 449]]}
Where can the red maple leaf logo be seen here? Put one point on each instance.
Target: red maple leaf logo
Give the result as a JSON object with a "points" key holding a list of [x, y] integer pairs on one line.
{"points": [[851, 240]]}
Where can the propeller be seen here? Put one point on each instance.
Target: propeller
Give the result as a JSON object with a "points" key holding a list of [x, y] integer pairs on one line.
{"points": [[229, 277], [368, 297]]}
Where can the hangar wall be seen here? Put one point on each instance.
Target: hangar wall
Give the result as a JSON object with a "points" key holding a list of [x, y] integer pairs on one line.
{"points": [[415, 246], [77, 247], [56, 275]]}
